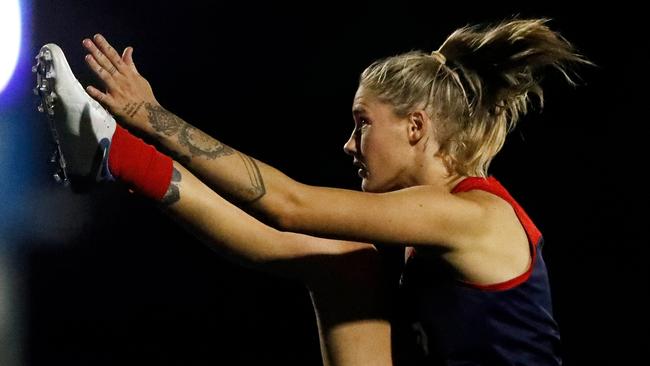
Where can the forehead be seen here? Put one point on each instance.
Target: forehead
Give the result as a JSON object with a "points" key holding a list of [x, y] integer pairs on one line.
{"points": [[363, 101]]}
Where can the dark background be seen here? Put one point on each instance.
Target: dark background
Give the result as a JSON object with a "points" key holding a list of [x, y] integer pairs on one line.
{"points": [[105, 279]]}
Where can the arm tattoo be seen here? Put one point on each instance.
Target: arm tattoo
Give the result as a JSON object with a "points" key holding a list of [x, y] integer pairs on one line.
{"points": [[130, 109], [173, 193], [137, 108], [199, 143], [162, 120], [257, 189], [196, 141]]}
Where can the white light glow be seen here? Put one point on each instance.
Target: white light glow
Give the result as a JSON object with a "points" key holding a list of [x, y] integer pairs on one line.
{"points": [[10, 26]]}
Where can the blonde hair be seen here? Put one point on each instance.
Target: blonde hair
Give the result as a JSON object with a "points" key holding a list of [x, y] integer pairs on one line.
{"points": [[476, 86]]}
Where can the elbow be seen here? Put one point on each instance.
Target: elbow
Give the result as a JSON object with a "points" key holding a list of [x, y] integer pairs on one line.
{"points": [[277, 256], [258, 257], [285, 220], [286, 212]]}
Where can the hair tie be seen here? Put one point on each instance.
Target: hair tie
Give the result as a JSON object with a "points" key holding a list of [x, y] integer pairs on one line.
{"points": [[439, 57]]}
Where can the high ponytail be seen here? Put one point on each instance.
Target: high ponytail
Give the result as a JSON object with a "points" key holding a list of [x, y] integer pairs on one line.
{"points": [[476, 85]]}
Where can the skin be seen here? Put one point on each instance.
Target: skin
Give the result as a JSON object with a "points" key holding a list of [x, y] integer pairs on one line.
{"points": [[394, 152], [336, 272], [406, 198]]}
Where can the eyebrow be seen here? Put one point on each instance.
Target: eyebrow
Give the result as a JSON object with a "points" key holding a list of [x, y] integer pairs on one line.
{"points": [[358, 110]]}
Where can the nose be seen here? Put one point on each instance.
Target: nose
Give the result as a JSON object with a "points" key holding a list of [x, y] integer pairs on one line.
{"points": [[350, 146]]}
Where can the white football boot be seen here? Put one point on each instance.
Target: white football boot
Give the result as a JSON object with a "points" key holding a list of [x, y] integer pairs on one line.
{"points": [[81, 127]]}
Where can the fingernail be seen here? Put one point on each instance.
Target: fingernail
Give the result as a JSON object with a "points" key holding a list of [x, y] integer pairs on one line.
{"points": [[98, 36]]}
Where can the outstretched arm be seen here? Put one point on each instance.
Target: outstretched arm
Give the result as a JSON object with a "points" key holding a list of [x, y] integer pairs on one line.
{"points": [[129, 97], [238, 236], [418, 215]]}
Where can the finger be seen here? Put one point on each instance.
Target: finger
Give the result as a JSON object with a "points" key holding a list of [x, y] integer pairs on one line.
{"points": [[99, 56], [99, 70], [102, 98], [127, 57], [108, 50]]}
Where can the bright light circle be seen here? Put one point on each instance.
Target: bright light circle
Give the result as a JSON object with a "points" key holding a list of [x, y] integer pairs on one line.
{"points": [[9, 39]]}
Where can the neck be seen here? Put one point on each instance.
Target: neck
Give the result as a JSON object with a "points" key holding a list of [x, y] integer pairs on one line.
{"points": [[433, 172]]}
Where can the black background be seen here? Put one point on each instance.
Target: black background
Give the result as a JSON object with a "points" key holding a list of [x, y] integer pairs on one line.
{"points": [[276, 82]]}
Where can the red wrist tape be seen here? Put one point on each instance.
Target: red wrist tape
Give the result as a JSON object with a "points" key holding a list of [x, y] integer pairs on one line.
{"points": [[139, 165]]}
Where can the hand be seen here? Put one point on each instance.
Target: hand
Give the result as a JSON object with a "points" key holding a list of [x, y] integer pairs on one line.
{"points": [[128, 95]]}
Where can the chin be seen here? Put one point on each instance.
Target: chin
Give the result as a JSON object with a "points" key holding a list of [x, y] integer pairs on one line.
{"points": [[367, 186]]}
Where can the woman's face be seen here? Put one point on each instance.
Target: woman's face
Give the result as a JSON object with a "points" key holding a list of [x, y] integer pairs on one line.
{"points": [[379, 144]]}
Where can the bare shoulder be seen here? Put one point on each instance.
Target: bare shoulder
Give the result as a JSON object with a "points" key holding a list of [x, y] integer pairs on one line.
{"points": [[502, 250], [491, 205], [497, 216], [432, 216]]}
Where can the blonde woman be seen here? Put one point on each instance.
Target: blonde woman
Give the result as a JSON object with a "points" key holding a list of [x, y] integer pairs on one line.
{"points": [[474, 289]]}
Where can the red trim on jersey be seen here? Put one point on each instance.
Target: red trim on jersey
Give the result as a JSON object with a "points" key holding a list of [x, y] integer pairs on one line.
{"points": [[493, 186]]}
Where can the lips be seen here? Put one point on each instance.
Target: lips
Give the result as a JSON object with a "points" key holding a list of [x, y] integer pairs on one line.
{"points": [[363, 172]]}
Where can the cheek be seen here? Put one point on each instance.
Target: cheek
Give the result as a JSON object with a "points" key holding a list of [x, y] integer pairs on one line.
{"points": [[375, 154], [363, 144], [370, 148]]}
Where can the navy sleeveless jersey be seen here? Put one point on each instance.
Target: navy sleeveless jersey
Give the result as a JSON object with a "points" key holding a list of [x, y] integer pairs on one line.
{"points": [[443, 321]]}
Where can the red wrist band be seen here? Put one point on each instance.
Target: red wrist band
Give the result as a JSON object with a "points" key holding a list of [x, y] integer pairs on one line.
{"points": [[139, 165]]}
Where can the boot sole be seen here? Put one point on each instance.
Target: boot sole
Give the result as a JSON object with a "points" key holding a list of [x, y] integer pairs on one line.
{"points": [[45, 75]]}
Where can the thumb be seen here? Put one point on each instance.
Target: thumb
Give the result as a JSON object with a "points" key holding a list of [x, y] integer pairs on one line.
{"points": [[127, 57]]}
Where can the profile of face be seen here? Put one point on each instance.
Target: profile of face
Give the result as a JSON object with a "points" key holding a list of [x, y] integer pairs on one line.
{"points": [[379, 144]]}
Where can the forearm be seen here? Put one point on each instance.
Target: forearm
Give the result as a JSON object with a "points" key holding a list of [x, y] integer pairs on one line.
{"points": [[219, 224], [221, 167], [240, 237], [129, 97]]}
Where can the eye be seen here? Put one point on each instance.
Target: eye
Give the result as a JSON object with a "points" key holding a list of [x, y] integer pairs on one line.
{"points": [[361, 126]]}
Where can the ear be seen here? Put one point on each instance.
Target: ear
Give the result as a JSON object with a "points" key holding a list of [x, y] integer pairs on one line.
{"points": [[418, 126]]}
